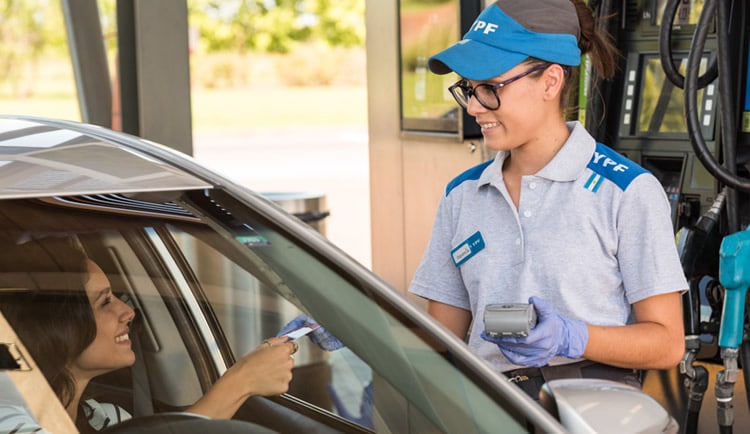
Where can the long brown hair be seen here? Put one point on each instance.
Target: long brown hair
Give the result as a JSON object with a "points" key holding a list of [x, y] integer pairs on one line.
{"points": [[48, 307]]}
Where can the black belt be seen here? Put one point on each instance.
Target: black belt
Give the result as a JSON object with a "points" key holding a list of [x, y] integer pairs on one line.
{"points": [[531, 380], [582, 369]]}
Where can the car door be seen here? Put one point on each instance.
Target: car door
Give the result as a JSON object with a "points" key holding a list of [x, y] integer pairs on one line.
{"points": [[211, 276]]}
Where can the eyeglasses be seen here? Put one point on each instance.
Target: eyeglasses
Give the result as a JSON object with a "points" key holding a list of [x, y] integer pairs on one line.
{"points": [[486, 93]]}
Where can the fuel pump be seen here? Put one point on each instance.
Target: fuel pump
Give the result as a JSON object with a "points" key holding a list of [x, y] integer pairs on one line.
{"points": [[734, 266], [677, 110]]}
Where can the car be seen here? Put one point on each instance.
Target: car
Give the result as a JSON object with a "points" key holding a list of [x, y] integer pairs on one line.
{"points": [[213, 268]]}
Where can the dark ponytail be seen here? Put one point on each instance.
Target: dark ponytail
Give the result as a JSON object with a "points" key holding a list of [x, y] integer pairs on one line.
{"points": [[595, 42]]}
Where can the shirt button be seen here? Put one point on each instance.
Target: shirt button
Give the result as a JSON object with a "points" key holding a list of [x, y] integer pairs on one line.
{"points": [[532, 185], [527, 213]]}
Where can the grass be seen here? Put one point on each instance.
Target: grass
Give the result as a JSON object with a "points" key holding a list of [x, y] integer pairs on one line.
{"points": [[244, 107], [241, 108], [63, 108], [279, 106]]}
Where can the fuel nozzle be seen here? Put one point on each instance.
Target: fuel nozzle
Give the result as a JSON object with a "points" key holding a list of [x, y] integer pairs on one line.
{"points": [[698, 244], [698, 247], [734, 275]]}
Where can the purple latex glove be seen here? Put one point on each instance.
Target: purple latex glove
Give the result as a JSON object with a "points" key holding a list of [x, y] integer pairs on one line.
{"points": [[552, 336], [320, 336]]}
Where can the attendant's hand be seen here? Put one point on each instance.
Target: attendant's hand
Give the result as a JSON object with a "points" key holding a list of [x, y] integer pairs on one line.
{"points": [[320, 336], [552, 336]]}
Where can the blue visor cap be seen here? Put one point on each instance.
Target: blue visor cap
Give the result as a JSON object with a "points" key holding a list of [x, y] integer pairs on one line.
{"points": [[496, 43]]}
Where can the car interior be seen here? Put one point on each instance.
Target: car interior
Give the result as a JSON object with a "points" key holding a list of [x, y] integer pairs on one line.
{"points": [[210, 280], [172, 348]]}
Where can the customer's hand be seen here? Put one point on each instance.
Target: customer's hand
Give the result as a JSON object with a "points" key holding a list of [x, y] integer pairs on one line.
{"points": [[320, 336], [552, 336], [267, 370]]}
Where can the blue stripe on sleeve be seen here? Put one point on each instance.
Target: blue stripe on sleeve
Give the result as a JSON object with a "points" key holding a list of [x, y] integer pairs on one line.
{"points": [[614, 166]]}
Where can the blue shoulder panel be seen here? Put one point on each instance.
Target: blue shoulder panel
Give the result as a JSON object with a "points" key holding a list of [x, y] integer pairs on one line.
{"points": [[614, 166], [470, 175]]}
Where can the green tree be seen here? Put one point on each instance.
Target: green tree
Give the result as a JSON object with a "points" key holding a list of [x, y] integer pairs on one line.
{"points": [[28, 30], [276, 25], [340, 22]]}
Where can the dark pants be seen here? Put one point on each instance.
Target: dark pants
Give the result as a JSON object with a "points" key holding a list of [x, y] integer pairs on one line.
{"points": [[530, 380]]}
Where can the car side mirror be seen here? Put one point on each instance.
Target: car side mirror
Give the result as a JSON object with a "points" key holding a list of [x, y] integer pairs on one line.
{"points": [[587, 405]]}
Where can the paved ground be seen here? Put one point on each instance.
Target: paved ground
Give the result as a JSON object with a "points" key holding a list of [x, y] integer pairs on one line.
{"points": [[324, 160]]}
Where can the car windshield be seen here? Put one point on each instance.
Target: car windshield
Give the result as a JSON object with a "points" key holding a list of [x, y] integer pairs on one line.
{"points": [[210, 278]]}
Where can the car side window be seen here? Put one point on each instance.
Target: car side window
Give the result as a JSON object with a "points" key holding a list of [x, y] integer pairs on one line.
{"points": [[250, 310], [411, 387]]}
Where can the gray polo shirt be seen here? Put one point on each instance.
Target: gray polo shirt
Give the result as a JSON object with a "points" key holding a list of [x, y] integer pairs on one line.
{"points": [[592, 235]]}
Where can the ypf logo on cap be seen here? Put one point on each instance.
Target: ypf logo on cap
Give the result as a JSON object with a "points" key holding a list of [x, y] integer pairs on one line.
{"points": [[484, 27]]}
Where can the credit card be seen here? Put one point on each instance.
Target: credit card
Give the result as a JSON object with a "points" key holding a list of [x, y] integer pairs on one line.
{"points": [[298, 333]]}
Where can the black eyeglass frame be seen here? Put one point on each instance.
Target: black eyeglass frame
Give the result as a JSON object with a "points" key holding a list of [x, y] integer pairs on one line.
{"points": [[463, 86]]}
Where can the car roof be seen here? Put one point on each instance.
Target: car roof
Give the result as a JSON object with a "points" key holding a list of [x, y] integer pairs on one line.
{"points": [[41, 157]]}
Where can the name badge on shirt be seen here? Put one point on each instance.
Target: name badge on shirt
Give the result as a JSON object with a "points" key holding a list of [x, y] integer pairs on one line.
{"points": [[470, 247]]}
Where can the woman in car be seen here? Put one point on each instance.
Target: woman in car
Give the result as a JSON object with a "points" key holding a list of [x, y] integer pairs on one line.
{"points": [[76, 329]]}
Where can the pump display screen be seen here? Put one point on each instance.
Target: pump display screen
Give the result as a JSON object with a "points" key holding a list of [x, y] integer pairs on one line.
{"points": [[662, 103], [687, 13]]}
